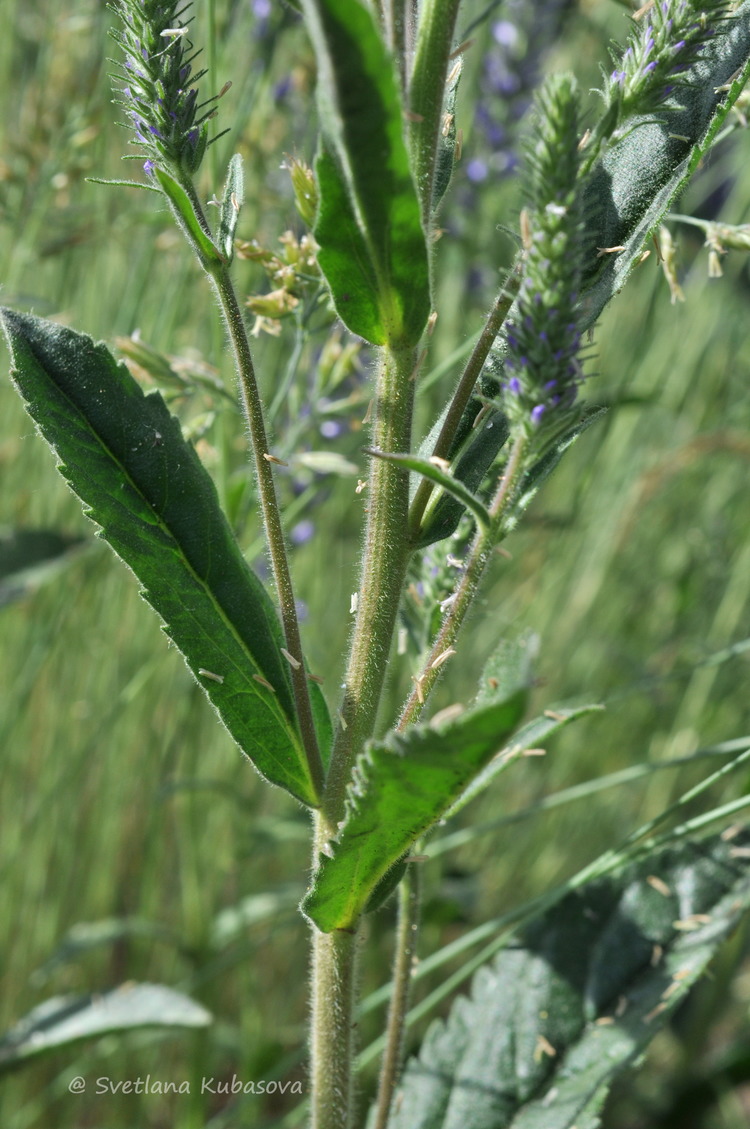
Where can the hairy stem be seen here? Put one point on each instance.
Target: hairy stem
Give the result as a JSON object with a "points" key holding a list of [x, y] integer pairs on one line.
{"points": [[271, 515], [383, 569], [334, 961], [479, 556], [463, 392], [409, 899]]}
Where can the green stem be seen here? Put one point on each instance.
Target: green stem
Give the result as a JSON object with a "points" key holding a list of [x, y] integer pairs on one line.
{"points": [[437, 19], [382, 573], [271, 515], [409, 898], [395, 28], [334, 963], [479, 556], [218, 272], [463, 392]]}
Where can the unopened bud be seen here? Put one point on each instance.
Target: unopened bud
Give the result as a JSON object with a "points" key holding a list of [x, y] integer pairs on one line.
{"points": [[305, 189]]}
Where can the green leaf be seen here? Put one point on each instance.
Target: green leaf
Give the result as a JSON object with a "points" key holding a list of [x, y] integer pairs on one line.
{"points": [[470, 465], [30, 557], [400, 788], [64, 1020], [578, 997], [344, 256], [185, 215], [372, 247], [443, 478], [121, 183], [231, 203], [124, 455], [635, 183]]}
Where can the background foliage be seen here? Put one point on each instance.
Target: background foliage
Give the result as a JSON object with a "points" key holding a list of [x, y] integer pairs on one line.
{"points": [[136, 844]]}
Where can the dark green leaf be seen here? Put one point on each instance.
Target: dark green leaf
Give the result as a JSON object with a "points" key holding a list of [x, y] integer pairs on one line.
{"points": [[69, 1019], [578, 996], [401, 787], [372, 246], [30, 557], [124, 455], [470, 465], [234, 190], [443, 478]]}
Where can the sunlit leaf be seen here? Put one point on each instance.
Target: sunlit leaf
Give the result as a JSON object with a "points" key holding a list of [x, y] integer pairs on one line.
{"points": [[124, 455]]}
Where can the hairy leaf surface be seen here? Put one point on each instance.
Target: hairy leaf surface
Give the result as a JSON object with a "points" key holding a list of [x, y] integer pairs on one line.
{"points": [[124, 455], [578, 996], [401, 787]]}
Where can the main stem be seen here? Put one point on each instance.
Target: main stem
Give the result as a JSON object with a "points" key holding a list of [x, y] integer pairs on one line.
{"points": [[384, 562]]}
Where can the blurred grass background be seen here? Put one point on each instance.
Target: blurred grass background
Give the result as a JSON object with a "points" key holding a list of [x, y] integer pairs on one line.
{"points": [[127, 815]]}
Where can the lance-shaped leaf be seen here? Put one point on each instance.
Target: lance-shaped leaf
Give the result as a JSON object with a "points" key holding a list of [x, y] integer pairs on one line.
{"points": [[578, 996], [633, 186], [400, 788], [372, 247], [124, 455], [185, 215], [64, 1020], [438, 471]]}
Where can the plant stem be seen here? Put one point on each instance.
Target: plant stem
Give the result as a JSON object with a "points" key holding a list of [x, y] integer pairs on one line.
{"points": [[334, 962], [437, 19], [463, 392], [271, 515], [409, 899], [383, 569], [481, 551]]}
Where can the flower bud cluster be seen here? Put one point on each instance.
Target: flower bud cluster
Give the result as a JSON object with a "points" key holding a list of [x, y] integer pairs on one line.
{"points": [[667, 37], [290, 272], [542, 371], [159, 90]]}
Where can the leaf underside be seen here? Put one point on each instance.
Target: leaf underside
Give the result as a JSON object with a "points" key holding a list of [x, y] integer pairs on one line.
{"points": [[64, 1020], [125, 456], [578, 996]]}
